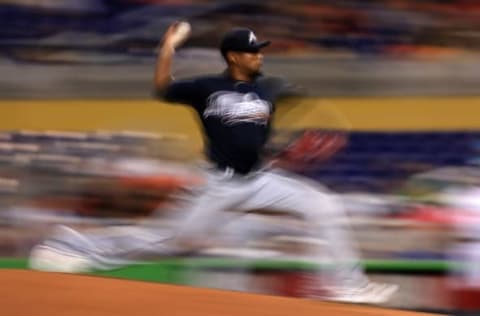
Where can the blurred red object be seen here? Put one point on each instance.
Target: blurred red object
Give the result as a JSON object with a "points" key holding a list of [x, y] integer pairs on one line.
{"points": [[311, 148]]}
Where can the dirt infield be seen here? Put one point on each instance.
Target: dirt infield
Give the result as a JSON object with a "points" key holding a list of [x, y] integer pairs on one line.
{"points": [[50, 294]]}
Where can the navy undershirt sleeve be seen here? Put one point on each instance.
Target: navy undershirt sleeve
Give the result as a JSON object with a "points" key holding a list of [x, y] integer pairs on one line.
{"points": [[183, 91]]}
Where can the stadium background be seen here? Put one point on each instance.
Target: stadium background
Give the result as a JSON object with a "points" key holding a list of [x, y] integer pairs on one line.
{"points": [[401, 76]]}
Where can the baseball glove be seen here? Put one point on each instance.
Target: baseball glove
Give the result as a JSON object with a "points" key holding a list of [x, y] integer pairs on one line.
{"points": [[304, 150]]}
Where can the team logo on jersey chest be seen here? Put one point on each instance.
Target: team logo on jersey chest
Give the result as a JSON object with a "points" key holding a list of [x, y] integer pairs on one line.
{"points": [[233, 108]]}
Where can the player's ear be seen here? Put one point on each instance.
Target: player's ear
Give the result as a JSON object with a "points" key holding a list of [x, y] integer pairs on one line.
{"points": [[231, 58]]}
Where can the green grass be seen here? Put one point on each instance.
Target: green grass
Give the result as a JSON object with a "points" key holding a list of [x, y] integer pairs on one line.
{"points": [[173, 270]]}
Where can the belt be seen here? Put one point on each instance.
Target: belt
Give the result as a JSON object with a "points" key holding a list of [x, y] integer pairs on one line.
{"points": [[230, 171]]}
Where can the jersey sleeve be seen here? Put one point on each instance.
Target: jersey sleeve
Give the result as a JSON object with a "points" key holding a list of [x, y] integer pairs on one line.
{"points": [[182, 91]]}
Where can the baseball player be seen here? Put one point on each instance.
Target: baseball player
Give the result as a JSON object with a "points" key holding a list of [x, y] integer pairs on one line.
{"points": [[236, 109]]}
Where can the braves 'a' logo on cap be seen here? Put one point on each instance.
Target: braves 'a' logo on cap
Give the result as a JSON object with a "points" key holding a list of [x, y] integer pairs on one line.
{"points": [[252, 39]]}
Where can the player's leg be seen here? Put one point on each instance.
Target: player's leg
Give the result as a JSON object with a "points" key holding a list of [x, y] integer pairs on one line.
{"points": [[326, 219], [113, 247], [69, 250], [314, 204]]}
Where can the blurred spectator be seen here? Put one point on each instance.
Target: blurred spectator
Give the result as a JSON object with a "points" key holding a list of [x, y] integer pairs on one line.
{"points": [[40, 31]]}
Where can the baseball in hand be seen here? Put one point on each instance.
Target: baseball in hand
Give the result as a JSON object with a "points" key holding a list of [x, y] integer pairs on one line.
{"points": [[181, 33]]}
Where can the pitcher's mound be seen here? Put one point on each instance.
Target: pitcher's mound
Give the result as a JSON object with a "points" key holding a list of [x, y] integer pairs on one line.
{"points": [[50, 294]]}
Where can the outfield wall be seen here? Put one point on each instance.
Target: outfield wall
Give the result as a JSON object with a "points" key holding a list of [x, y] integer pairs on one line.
{"points": [[358, 114]]}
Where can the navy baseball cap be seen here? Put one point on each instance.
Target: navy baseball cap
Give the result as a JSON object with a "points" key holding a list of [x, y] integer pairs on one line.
{"points": [[241, 40]]}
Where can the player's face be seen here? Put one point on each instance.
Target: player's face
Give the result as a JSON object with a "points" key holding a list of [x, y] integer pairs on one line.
{"points": [[249, 63]]}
